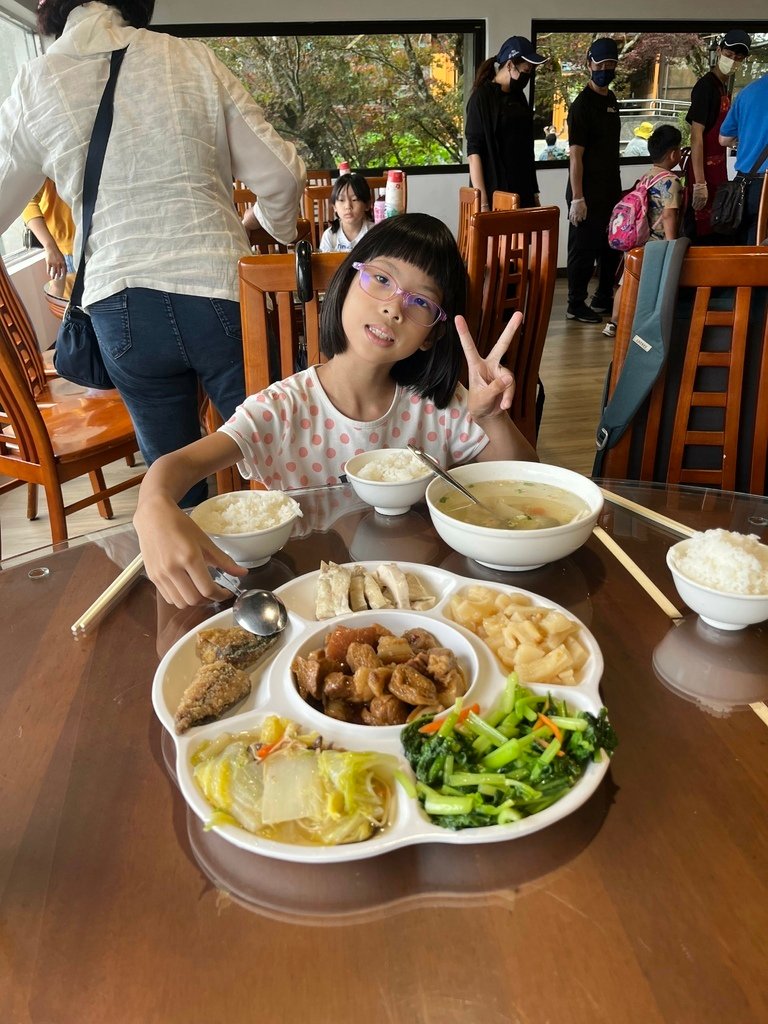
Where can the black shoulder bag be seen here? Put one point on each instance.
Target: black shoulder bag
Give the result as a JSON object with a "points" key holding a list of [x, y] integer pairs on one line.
{"points": [[728, 205], [77, 356]]}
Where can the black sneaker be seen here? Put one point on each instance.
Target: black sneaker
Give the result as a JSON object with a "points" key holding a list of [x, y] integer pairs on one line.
{"points": [[600, 304], [583, 313]]}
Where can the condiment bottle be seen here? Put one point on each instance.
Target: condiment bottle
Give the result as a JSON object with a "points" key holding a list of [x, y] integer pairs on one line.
{"points": [[344, 167], [393, 194], [379, 210]]}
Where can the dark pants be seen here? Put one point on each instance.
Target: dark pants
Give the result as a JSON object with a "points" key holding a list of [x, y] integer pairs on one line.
{"points": [[588, 246], [157, 346], [747, 233]]}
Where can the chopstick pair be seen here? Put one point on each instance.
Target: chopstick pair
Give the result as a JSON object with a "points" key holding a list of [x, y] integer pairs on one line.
{"points": [[106, 601]]}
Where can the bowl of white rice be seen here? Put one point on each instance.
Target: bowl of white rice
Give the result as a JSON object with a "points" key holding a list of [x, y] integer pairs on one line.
{"points": [[723, 576], [249, 525], [390, 479]]}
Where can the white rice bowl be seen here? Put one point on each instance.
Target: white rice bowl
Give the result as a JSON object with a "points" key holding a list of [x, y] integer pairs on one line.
{"points": [[734, 563], [395, 465], [249, 525], [722, 576]]}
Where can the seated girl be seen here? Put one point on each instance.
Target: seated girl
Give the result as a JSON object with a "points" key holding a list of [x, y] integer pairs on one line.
{"points": [[392, 331], [351, 198]]}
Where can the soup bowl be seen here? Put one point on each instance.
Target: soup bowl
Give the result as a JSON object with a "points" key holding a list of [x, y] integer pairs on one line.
{"points": [[515, 550]]}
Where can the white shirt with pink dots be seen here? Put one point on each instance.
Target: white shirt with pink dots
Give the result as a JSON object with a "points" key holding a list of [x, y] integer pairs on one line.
{"points": [[292, 436]]}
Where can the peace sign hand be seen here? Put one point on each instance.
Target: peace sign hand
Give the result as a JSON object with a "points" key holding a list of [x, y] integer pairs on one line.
{"points": [[491, 385]]}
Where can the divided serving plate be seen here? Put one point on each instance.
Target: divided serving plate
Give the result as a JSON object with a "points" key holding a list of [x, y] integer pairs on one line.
{"points": [[274, 692]]}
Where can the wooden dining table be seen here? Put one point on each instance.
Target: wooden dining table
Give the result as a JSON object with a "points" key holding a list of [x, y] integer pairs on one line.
{"points": [[648, 904]]}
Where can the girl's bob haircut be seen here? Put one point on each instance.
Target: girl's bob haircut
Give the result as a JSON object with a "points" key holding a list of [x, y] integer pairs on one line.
{"points": [[52, 14], [427, 243], [359, 188]]}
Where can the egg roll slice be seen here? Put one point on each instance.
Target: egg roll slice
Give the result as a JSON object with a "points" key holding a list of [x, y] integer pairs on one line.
{"points": [[357, 600]]}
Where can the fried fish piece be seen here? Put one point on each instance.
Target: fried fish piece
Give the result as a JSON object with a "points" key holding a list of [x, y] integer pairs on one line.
{"points": [[235, 645], [216, 688]]}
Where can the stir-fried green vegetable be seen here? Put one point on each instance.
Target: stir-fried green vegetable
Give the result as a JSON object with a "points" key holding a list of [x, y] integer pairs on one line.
{"points": [[521, 757]]}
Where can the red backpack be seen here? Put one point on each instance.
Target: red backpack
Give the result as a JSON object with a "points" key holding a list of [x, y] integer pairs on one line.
{"points": [[628, 226]]}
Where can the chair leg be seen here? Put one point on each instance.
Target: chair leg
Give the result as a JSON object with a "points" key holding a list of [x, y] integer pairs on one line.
{"points": [[98, 483], [130, 461], [55, 500], [31, 501]]}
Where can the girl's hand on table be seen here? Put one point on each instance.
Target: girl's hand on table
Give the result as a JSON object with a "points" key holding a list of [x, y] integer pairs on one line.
{"points": [[491, 385], [177, 554]]}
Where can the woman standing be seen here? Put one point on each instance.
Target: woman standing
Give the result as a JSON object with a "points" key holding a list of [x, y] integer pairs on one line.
{"points": [[161, 277], [499, 126]]}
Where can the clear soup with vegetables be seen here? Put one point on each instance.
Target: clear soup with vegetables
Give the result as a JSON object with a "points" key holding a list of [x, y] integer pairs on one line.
{"points": [[515, 505]]}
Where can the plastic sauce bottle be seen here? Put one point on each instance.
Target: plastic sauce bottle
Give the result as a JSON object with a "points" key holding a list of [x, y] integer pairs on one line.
{"points": [[379, 210], [393, 194], [344, 167]]}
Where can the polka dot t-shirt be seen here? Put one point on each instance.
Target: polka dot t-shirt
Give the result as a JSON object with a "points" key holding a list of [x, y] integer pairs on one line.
{"points": [[291, 436]]}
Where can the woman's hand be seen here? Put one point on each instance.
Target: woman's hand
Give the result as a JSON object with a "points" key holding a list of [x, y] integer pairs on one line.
{"points": [[177, 554], [491, 385]]}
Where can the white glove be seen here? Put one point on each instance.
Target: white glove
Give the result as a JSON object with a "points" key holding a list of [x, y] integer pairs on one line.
{"points": [[578, 211], [700, 196]]}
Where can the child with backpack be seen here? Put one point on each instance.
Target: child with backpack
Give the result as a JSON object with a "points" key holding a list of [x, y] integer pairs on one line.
{"points": [[651, 210]]}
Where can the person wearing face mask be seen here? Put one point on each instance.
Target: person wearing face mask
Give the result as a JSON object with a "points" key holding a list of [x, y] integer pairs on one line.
{"points": [[594, 185], [710, 103], [746, 125], [499, 124]]}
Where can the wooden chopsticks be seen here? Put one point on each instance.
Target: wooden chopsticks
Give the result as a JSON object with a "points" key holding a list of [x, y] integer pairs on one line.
{"points": [[634, 570], [647, 513], [104, 602]]}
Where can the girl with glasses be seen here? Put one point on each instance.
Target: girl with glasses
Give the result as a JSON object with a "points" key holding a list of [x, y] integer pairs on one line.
{"points": [[392, 331]]}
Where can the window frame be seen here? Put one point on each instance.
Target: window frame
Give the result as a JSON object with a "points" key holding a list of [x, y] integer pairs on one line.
{"points": [[475, 28]]}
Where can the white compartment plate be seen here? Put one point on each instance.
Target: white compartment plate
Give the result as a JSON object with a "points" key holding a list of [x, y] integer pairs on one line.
{"points": [[274, 692]]}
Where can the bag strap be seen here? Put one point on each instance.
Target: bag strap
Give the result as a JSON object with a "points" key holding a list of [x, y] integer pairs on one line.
{"points": [[94, 161], [759, 160]]}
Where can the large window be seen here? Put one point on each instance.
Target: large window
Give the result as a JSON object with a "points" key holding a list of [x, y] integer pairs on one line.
{"points": [[17, 45], [659, 63], [375, 96]]}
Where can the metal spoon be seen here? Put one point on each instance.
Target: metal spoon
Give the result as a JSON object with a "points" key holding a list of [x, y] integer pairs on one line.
{"points": [[435, 466], [258, 611]]}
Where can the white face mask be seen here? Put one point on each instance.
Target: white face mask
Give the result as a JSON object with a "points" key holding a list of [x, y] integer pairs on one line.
{"points": [[726, 64]]}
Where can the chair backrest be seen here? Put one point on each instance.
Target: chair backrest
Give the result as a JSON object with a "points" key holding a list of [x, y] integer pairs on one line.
{"points": [[512, 266], [21, 333], [469, 203], [264, 244], [505, 201], [704, 422], [274, 328], [317, 176], [762, 214], [318, 210], [242, 197], [22, 430]]}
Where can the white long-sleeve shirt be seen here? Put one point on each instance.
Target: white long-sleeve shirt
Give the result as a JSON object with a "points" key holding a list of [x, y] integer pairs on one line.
{"points": [[183, 128]]}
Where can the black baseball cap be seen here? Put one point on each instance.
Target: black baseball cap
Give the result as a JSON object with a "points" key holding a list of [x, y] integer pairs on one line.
{"points": [[603, 49], [736, 39], [519, 46]]}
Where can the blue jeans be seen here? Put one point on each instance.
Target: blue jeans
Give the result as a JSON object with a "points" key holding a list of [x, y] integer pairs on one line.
{"points": [[157, 346]]}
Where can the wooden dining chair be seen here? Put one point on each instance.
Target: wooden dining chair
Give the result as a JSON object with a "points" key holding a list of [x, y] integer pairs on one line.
{"points": [[704, 421], [319, 176], [512, 266], [505, 201], [762, 214], [318, 210], [242, 197], [52, 444], [469, 203], [264, 244]]}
